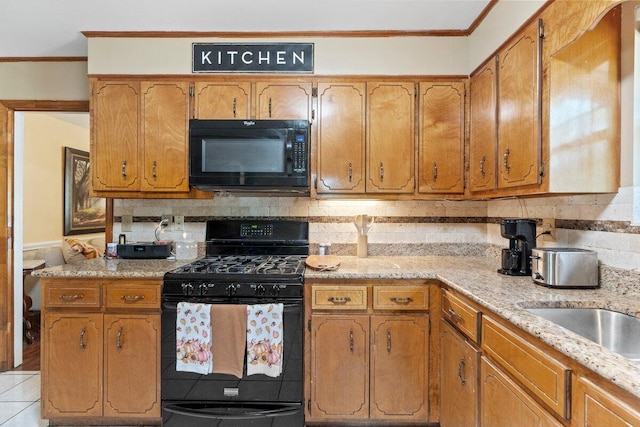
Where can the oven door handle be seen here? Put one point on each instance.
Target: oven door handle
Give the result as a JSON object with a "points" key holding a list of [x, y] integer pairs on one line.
{"points": [[250, 414]]}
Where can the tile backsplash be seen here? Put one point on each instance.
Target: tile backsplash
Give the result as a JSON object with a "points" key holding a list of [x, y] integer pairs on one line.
{"points": [[599, 222]]}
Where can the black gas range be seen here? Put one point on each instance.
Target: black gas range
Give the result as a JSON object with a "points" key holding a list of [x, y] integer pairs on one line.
{"points": [[247, 262]]}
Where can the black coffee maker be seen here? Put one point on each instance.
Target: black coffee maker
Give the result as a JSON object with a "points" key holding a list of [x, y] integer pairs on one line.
{"points": [[516, 260]]}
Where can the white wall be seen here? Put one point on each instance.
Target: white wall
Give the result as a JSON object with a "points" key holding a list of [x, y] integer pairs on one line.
{"points": [[61, 81], [45, 136]]}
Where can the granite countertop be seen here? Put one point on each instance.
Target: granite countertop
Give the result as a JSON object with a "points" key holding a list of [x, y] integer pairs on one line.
{"points": [[113, 268], [507, 297], [474, 277]]}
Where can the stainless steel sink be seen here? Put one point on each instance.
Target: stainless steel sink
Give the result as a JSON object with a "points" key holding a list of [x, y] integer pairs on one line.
{"points": [[616, 331]]}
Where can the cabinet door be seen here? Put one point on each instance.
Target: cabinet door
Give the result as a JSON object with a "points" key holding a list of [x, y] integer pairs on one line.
{"points": [[339, 367], [223, 100], [441, 144], [165, 121], [503, 403], [72, 365], [483, 132], [519, 126], [132, 365], [285, 101], [115, 135], [341, 137], [390, 138], [597, 407], [399, 361], [459, 361]]}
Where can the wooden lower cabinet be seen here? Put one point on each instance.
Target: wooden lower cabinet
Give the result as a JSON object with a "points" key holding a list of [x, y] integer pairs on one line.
{"points": [[504, 403], [369, 367], [595, 406], [459, 369], [72, 365], [131, 344], [100, 352], [368, 347], [339, 366]]}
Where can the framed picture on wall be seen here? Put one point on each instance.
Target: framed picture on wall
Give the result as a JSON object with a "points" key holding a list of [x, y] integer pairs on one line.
{"points": [[82, 214]]}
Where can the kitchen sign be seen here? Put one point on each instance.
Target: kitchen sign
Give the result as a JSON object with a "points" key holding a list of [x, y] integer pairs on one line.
{"points": [[253, 58]]}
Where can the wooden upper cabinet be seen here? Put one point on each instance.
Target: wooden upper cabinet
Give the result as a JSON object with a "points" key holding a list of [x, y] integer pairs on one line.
{"points": [[391, 148], [341, 138], [519, 108], [285, 101], [483, 132], [222, 100], [114, 135], [441, 143], [165, 120]]}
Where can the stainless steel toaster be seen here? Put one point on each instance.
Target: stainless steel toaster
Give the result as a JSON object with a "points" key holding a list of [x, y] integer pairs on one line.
{"points": [[564, 267]]}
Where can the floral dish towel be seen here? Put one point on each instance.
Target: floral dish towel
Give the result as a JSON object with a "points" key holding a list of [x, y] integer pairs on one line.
{"points": [[193, 338], [265, 338]]}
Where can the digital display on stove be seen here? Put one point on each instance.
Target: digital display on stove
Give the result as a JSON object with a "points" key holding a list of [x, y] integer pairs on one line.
{"points": [[256, 230]]}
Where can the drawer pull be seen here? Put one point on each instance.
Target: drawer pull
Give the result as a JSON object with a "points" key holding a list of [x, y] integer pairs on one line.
{"points": [[401, 300], [339, 300], [82, 338], [119, 339], [71, 297], [131, 298], [460, 372], [454, 315]]}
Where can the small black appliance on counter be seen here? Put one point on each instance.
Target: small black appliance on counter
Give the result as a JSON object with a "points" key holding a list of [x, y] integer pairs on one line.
{"points": [[516, 260]]}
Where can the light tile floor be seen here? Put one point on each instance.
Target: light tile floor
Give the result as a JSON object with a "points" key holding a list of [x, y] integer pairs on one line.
{"points": [[20, 399]]}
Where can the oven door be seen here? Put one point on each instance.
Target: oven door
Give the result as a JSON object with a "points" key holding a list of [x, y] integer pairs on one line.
{"points": [[190, 399]]}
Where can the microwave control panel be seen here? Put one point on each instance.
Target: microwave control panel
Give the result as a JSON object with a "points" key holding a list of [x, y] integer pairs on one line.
{"points": [[300, 154]]}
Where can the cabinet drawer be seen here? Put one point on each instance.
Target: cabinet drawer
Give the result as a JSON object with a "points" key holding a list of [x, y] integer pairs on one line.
{"points": [[461, 314], [72, 296], [401, 297], [339, 297], [132, 296], [540, 373]]}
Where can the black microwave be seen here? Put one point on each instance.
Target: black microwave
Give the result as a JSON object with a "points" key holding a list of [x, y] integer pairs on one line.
{"points": [[249, 155]]}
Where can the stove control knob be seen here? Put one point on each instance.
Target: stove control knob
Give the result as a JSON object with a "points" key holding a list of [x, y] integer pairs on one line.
{"points": [[232, 290], [260, 290], [202, 288], [275, 290], [187, 289]]}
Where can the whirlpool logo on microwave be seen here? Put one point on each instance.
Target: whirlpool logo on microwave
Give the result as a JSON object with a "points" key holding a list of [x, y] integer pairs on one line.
{"points": [[249, 123]]}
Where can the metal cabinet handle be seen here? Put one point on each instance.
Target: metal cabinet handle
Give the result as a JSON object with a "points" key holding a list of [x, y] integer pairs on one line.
{"points": [[381, 171], [388, 340], [82, 346], [71, 297], [269, 107], [435, 171], [460, 371], [131, 298], [482, 171], [154, 170], [119, 339], [350, 172], [235, 103], [339, 300], [453, 314], [505, 160], [351, 340], [124, 168], [401, 300]]}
